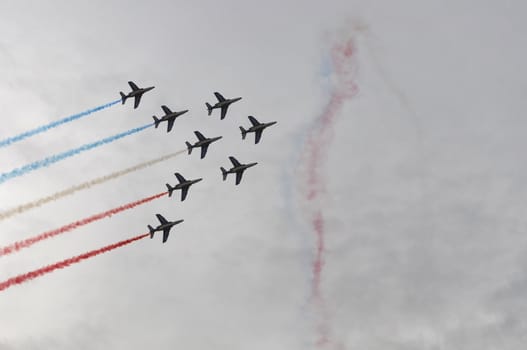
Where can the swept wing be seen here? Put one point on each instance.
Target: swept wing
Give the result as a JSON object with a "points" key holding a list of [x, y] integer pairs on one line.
{"points": [[161, 219], [253, 120], [219, 97], [234, 161], [166, 110]]}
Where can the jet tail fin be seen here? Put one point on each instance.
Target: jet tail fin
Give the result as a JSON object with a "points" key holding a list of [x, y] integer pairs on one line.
{"points": [[170, 189], [209, 108], [189, 147], [123, 97], [151, 229], [244, 132], [224, 173], [156, 121]]}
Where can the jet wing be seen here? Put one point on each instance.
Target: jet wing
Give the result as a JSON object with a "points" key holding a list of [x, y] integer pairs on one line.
{"points": [[257, 136], [219, 97], [161, 219], [170, 124], [184, 192], [223, 111], [137, 100], [180, 177], [239, 175], [166, 233], [234, 161], [204, 150], [199, 135], [166, 110], [253, 120], [133, 86]]}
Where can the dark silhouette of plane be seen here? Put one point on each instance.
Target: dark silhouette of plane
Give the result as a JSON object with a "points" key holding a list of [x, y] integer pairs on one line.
{"points": [[256, 127], [202, 142], [169, 117], [164, 226], [237, 168], [222, 103], [183, 185], [136, 93]]}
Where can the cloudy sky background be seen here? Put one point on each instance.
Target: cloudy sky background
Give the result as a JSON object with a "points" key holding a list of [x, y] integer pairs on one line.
{"points": [[425, 179]]}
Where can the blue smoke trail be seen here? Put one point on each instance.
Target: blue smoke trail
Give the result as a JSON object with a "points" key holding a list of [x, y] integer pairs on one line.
{"points": [[43, 128], [58, 157]]}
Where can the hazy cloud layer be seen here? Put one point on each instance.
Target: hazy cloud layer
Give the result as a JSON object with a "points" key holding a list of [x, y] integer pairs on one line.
{"points": [[425, 180]]}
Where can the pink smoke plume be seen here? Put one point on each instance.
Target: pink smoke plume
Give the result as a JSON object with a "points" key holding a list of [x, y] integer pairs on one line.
{"points": [[343, 57]]}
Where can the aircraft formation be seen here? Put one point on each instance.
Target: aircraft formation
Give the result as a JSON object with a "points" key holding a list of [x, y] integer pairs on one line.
{"points": [[202, 142]]}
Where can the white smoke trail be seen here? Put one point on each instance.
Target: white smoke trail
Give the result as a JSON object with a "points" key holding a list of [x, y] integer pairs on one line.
{"points": [[84, 186]]}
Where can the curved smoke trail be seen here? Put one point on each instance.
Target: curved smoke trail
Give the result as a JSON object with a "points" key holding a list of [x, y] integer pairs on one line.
{"points": [[26, 243], [61, 156], [65, 263], [43, 128], [84, 186], [315, 151], [290, 193]]}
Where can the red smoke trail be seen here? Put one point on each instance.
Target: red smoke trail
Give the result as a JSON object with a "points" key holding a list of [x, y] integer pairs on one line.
{"points": [[65, 263], [30, 241], [316, 149]]}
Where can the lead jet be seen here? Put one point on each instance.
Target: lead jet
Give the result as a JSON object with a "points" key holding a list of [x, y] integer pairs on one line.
{"points": [[203, 142], [183, 185], [256, 127], [222, 103], [169, 117], [237, 168], [136, 93], [164, 226]]}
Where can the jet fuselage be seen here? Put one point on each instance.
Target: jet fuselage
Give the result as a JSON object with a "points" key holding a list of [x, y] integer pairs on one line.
{"points": [[206, 141], [173, 115], [226, 102], [187, 183], [260, 126], [139, 91], [240, 167], [167, 225]]}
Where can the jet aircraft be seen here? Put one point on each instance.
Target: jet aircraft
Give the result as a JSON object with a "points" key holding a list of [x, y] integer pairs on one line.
{"points": [[136, 93], [222, 103], [183, 186], [256, 127], [202, 142], [164, 226], [237, 168], [169, 117]]}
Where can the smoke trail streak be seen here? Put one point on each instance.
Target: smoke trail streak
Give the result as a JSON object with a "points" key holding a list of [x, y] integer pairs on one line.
{"points": [[291, 195], [26, 243], [43, 128], [84, 186], [65, 263], [61, 156], [315, 152]]}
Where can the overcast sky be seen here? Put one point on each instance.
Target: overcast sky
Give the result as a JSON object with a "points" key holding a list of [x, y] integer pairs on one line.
{"points": [[420, 171]]}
